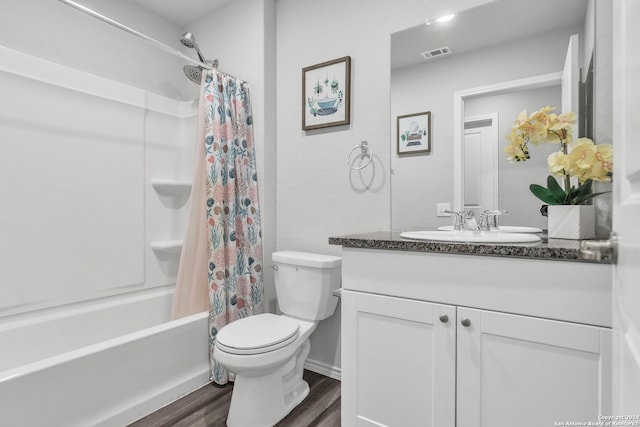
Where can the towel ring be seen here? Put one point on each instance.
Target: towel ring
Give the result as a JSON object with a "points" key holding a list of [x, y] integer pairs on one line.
{"points": [[365, 150]]}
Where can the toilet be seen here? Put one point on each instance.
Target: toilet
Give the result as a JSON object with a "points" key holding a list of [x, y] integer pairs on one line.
{"points": [[267, 351]]}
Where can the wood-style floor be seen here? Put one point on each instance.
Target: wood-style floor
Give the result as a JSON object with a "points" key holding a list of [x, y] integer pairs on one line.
{"points": [[208, 407]]}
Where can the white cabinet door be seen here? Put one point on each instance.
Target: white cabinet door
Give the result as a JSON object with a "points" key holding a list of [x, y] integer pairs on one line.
{"points": [[525, 371], [398, 362]]}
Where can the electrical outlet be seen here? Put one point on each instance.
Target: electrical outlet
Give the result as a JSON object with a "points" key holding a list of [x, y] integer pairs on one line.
{"points": [[441, 207]]}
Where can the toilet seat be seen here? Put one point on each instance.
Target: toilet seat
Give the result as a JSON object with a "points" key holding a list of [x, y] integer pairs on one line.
{"points": [[257, 334]]}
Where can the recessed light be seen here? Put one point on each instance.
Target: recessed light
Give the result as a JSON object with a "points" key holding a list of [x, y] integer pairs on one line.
{"points": [[445, 18]]}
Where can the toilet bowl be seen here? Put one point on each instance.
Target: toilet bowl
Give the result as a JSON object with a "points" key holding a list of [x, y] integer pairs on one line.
{"points": [[268, 384], [267, 352]]}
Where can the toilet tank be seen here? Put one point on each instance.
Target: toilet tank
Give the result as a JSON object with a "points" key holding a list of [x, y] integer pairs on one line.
{"points": [[305, 283]]}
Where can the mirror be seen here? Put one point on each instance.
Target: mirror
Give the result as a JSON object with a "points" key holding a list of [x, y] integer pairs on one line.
{"points": [[492, 62]]}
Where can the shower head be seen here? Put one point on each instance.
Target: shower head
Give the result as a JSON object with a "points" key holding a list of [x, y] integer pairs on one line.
{"points": [[194, 73], [189, 40]]}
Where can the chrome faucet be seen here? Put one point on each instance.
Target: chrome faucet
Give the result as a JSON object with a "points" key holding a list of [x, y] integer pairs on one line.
{"points": [[464, 220], [489, 220]]}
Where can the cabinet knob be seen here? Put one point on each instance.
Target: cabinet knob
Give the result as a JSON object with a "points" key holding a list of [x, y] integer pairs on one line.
{"points": [[444, 318], [465, 322]]}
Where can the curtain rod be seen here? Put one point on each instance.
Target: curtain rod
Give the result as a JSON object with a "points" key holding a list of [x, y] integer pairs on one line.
{"points": [[130, 30]]}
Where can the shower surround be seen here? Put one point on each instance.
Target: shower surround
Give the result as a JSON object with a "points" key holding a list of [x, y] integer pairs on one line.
{"points": [[90, 248]]}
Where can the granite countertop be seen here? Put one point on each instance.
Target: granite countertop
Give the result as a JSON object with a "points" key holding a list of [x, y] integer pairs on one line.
{"points": [[549, 249]]}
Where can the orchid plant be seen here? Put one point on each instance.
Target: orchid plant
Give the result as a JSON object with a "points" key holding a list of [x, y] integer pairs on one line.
{"points": [[581, 159]]}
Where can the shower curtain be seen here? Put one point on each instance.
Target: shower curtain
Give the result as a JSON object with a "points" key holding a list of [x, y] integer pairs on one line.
{"points": [[225, 215]]}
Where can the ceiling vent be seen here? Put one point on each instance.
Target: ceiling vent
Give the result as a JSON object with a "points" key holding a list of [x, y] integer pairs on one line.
{"points": [[436, 52]]}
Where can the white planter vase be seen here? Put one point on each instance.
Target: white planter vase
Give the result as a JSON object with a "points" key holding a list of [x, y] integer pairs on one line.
{"points": [[571, 221]]}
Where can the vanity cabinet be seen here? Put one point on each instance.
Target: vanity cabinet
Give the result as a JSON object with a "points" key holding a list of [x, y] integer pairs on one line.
{"points": [[398, 361], [451, 340], [526, 371]]}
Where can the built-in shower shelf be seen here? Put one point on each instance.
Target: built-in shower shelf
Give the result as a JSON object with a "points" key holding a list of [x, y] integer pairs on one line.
{"points": [[171, 186], [167, 246]]}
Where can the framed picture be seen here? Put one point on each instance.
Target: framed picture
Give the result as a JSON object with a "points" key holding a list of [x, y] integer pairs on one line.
{"points": [[326, 93], [414, 133]]}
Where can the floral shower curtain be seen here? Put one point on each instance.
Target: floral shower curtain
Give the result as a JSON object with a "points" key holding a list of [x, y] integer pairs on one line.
{"points": [[233, 214], [225, 208]]}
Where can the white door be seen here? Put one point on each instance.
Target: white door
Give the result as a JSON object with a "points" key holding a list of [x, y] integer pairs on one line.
{"points": [[481, 162], [626, 207], [398, 362], [529, 372]]}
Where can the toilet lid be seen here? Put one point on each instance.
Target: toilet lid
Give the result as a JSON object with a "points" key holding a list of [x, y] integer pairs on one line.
{"points": [[257, 334]]}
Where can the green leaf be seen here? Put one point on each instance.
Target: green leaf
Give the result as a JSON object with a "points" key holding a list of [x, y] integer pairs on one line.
{"points": [[571, 194], [555, 195], [584, 189], [545, 195], [555, 188]]}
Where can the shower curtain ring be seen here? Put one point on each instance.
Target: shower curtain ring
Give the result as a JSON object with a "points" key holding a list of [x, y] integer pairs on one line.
{"points": [[365, 150]]}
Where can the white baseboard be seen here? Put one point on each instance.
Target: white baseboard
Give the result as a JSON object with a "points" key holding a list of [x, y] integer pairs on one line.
{"points": [[323, 369]]}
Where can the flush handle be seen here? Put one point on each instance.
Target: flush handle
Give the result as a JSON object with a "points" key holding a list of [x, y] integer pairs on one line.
{"points": [[465, 322], [275, 267], [444, 318], [596, 249]]}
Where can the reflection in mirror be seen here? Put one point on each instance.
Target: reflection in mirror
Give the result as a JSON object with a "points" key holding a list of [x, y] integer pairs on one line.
{"points": [[490, 180], [487, 45]]}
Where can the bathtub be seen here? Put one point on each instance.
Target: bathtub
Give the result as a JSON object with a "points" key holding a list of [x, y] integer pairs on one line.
{"points": [[105, 363]]}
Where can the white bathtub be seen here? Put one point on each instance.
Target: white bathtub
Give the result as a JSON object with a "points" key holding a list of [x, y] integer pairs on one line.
{"points": [[106, 363]]}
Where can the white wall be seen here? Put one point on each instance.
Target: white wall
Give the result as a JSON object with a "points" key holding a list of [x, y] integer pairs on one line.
{"points": [[422, 181], [318, 196]]}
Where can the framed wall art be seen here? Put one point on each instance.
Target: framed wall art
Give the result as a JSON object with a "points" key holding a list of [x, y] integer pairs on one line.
{"points": [[414, 133], [326, 94]]}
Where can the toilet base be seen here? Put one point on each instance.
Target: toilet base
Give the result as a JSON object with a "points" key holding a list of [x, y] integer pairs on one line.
{"points": [[262, 401]]}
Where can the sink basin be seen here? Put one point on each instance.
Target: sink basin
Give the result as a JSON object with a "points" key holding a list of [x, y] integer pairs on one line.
{"points": [[471, 236], [504, 228]]}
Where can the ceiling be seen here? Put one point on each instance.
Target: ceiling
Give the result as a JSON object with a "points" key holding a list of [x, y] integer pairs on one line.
{"points": [[486, 25], [183, 12]]}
